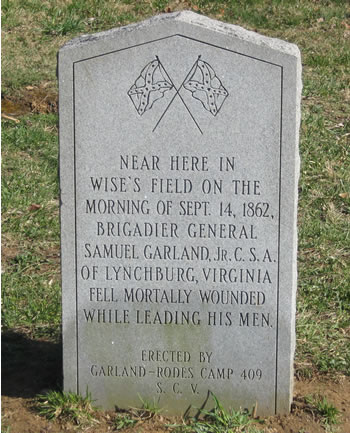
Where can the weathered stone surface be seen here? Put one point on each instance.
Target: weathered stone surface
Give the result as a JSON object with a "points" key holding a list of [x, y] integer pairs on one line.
{"points": [[179, 167]]}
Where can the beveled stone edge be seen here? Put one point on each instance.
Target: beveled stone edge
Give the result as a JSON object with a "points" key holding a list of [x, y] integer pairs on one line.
{"points": [[193, 18]]}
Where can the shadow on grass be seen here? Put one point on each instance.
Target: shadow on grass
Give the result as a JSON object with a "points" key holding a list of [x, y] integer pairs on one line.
{"points": [[29, 366]]}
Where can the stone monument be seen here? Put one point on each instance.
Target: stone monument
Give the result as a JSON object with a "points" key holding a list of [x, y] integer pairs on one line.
{"points": [[179, 168]]}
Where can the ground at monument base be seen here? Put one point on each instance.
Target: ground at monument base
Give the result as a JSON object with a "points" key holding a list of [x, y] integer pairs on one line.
{"points": [[20, 416]]}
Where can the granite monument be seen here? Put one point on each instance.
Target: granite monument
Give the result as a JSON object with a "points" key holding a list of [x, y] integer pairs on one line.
{"points": [[179, 168]]}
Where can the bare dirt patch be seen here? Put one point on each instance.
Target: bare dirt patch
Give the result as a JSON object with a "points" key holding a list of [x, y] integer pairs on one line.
{"points": [[39, 99], [9, 250], [304, 417]]}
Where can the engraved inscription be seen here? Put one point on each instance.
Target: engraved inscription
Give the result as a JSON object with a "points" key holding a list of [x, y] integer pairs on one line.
{"points": [[145, 267]]}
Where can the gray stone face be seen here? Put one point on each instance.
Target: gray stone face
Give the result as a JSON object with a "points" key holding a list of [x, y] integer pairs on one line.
{"points": [[179, 168]]}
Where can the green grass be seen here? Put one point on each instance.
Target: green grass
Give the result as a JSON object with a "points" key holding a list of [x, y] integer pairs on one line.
{"points": [[128, 418], [33, 31], [218, 420], [30, 279], [71, 408], [67, 407], [124, 420], [326, 411], [323, 343]]}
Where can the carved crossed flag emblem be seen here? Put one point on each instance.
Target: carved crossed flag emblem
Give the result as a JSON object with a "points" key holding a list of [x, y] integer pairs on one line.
{"points": [[201, 81]]}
